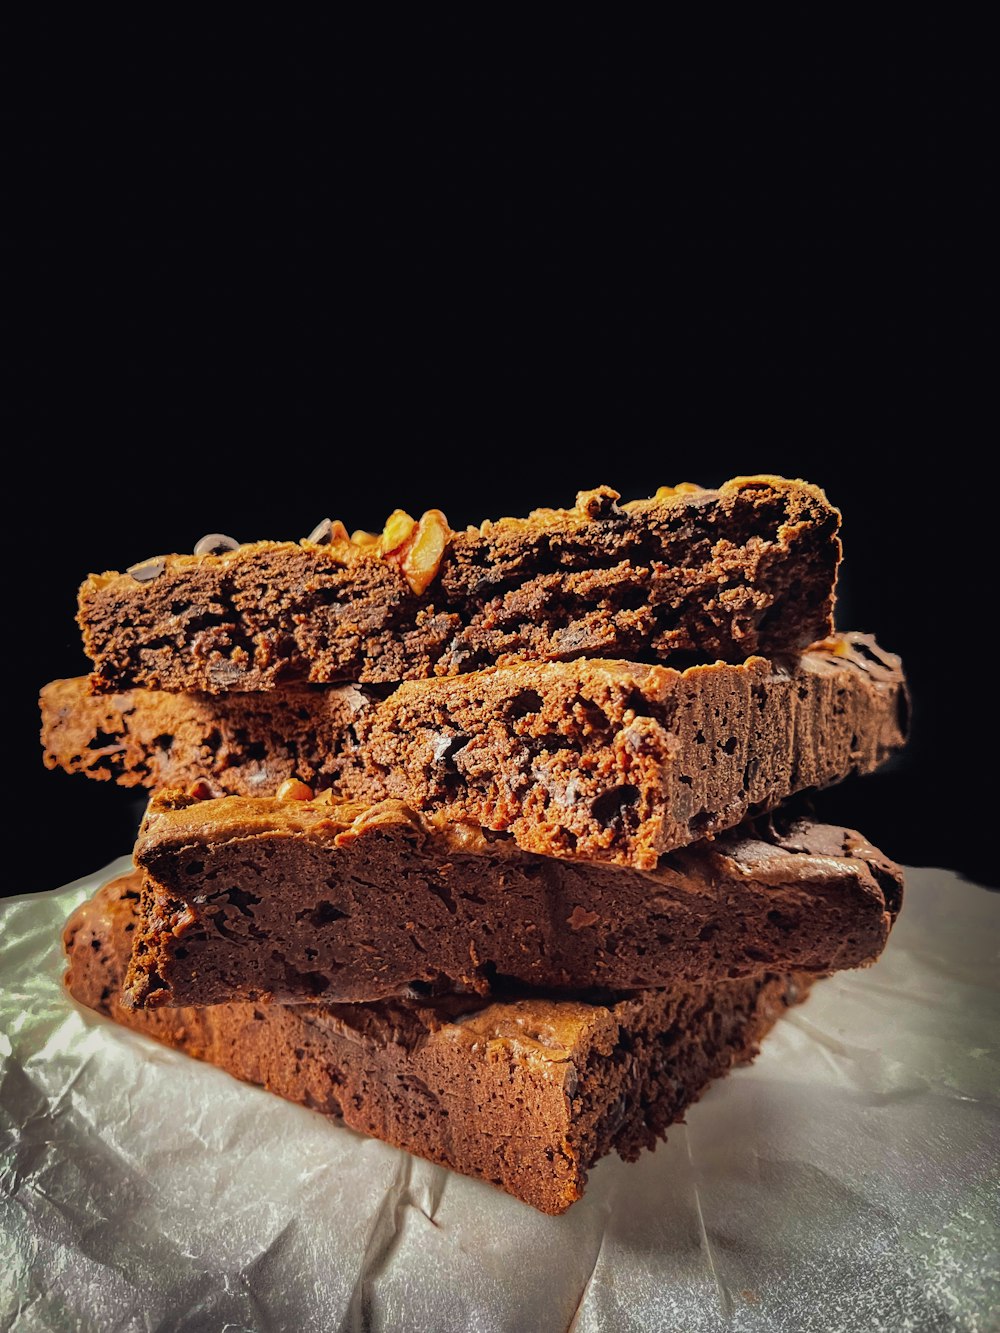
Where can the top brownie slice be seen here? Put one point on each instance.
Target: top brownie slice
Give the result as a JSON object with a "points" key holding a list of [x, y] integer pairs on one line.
{"points": [[746, 569]]}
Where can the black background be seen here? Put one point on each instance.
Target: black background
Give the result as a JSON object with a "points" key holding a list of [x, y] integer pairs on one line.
{"points": [[240, 312]]}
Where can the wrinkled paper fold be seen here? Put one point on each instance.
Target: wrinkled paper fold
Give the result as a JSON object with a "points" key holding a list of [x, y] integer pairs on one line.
{"points": [[847, 1180]]}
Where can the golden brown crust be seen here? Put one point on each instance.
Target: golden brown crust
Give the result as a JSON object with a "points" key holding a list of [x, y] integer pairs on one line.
{"points": [[399, 528]]}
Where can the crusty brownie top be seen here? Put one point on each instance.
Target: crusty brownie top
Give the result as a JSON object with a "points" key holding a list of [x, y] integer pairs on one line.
{"points": [[417, 546]]}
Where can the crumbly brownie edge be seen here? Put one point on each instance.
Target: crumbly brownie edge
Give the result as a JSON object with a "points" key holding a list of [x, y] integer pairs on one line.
{"points": [[615, 761], [671, 1047]]}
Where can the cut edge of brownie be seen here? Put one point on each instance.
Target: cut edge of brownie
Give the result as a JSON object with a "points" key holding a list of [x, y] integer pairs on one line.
{"points": [[608, 760], [297, 900]]}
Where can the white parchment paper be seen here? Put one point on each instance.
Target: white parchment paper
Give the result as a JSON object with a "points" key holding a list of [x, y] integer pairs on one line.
{"points": [[848, 1180]]}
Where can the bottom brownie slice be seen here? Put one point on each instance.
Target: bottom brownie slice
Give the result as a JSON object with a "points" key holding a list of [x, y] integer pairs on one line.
{"points": [[526, 1094]]}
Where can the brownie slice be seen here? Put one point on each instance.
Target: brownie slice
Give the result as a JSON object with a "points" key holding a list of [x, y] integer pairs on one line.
{"points": [[245, 744], [525, 1094], [291, 900], [604, 760], [749, 568]]}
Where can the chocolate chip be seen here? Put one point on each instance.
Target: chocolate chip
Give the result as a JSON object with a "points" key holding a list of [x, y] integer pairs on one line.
{"points": [[224, 673], [615, 804], [147, 570], [322, 533], [445, 747], [215, 543]]}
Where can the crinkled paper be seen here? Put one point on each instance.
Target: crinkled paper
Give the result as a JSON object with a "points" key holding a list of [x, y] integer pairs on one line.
{"points": [[848, 1180]]}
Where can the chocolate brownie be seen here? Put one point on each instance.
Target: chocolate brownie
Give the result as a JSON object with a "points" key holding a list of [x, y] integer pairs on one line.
{"points": [[259, 898], [245, 744], [749, 568], [526, 1094], [605, 760]]}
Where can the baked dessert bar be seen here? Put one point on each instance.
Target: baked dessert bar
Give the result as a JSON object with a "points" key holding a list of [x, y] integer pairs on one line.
{"points": [[526, 1094], [601, 759], [292, 900], [748, 568]]}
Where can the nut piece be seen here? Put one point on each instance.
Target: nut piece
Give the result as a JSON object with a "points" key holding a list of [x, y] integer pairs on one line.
{"points": [[294, 790], [682, 488], [422, 559], [416, 548], [398, 530], [201, 790]]}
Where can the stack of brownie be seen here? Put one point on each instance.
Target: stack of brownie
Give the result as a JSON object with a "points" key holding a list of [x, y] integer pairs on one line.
{"points": [[482, 840]]}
